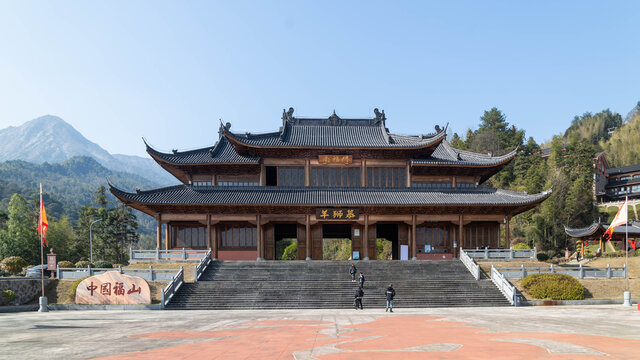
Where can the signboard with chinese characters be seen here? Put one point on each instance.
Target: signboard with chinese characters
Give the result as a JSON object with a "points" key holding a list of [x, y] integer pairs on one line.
{"points": [[335, 159], [113, 288], [336, 214]]}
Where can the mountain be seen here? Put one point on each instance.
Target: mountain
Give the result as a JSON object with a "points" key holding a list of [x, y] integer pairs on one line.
{"points": [[51, 139]]}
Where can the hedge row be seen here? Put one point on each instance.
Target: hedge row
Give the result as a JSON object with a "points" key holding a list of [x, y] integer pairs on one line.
{"points": [[553, 286]]}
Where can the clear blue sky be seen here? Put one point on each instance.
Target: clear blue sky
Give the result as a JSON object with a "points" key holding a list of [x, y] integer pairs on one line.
{"points": [[168, 70]]}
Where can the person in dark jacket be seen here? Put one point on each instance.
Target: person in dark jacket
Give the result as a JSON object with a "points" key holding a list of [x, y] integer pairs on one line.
{"points": [[353, 271], [361, 280], [390, 293], [358, 298]]}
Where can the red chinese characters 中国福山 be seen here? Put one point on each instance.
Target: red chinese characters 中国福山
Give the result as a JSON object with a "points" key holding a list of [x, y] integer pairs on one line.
{"points": [[118, 289], [92, 288], [105, 289]]}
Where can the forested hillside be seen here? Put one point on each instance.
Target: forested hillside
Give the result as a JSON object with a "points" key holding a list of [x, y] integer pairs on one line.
{"points": [[69, 194], [623, 147], [568, 170]]}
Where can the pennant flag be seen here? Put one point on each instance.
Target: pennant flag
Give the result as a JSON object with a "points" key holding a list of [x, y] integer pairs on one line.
{"points": [[43, 225], [621, 219]]}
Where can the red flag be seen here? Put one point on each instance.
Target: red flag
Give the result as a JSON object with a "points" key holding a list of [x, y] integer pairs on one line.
{"points": [[43, 225], [621, 219]]}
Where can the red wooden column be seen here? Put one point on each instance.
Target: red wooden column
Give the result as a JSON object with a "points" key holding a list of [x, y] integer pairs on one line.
{"points": [[260, 238], [414, 245], [308, 237], [167, 237], [507, 233], [209, 231], [460, 235], [159, 231], [214, 242], [365, 239]]}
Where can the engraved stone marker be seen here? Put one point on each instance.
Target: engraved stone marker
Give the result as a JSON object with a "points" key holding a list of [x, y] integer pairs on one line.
{"points": [[113, 288]]}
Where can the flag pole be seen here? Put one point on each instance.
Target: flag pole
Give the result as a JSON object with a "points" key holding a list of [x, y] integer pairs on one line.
{"points": [[626, 247], [41, 243], [43, 300]]}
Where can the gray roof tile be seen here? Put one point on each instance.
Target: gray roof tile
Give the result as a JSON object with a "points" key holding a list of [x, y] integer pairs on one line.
{"points": [[219, 195], [221, 153], [445, 154]]}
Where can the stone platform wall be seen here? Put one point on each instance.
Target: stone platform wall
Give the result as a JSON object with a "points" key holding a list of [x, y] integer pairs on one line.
{"points": [[26, 289]]}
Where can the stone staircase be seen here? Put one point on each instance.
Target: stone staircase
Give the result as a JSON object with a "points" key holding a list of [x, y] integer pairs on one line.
{"points": [[327, 285]]}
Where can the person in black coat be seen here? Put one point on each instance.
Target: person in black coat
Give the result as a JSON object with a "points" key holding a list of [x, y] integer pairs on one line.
{"points": [[353, 271], [358, 298], [361, 280], [390, 293]]}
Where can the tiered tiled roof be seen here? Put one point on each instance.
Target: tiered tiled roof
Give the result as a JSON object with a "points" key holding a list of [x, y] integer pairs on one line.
{"points": [[221, 153], [597, 227], [333, 132], [313, 196], [445, 154]]}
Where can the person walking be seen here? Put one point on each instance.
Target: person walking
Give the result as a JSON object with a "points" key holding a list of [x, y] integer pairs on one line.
{"points": [[358, 298], [361, 280], [390, 293], [353, 271]]}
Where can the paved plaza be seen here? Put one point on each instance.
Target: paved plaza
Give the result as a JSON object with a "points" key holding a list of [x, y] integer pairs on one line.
{"points": [[577, 332]]}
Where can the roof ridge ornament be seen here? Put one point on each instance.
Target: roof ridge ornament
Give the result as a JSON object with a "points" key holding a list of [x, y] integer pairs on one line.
{"points": [[223, 128], [335, 120], [380, 117]]}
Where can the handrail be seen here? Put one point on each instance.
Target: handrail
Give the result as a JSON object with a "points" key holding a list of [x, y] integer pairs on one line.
{"points": [[171, 289], [579, 272], [174, 254], [149, 274], [202, 266], [486, 253], [507, 289], [471, 265]]}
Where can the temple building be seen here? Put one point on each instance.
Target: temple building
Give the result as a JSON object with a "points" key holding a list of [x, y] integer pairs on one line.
{"points": [[330, 178]]}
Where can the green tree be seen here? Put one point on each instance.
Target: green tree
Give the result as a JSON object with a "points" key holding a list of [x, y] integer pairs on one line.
{"points": [[61, 239], [21, 237]]}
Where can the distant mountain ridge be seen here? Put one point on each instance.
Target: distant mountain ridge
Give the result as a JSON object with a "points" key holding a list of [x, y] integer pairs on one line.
{"points": [[51, 139]]}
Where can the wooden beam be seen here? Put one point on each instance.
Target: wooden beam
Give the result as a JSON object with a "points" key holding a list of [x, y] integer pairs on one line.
{"points": [[307, 173]]}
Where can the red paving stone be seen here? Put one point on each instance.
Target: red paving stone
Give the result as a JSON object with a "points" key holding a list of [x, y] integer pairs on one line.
{"points": [[399, 337]]}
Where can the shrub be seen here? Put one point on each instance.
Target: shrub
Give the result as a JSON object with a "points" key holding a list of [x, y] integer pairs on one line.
{"points": [[521, 246], [74, 286], [13, 264], [65, 264], [589, 256], [103, 264], [553, 286], [7, 297], [638, 252], [542, 257], [83, 264], [290, 252]]}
